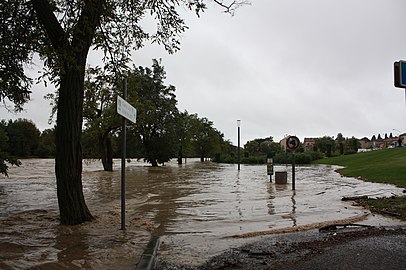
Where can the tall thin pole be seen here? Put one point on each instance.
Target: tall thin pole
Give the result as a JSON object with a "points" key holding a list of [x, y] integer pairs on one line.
{"points": [[238, 124], [293, 171], [123, 157]]}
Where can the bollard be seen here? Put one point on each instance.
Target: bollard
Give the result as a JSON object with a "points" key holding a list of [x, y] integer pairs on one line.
{"points": [[269, 166], [281, 178]]}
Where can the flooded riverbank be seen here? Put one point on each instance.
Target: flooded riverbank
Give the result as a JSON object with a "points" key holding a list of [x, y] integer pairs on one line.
{"points": [[194, 208]]}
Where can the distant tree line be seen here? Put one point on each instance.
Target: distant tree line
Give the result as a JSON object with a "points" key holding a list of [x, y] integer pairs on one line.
{"points": [[22, 139], [258, 150], [329, 146]]}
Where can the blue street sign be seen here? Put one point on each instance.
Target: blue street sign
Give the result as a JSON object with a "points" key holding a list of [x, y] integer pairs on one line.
{"points": [[402, 69]]}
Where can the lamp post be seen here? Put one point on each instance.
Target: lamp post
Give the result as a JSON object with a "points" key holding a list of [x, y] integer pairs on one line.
{"points": [[238, 125]]}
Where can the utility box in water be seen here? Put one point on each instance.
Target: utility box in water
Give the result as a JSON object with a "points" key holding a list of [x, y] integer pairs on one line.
{"points": [[281, 177]]}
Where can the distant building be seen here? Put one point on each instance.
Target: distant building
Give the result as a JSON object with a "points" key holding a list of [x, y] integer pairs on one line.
{"points": [[377, 142], [403, 139], [365, 143], [391, 142], [309, 144], [283, 143], [387, 142]]}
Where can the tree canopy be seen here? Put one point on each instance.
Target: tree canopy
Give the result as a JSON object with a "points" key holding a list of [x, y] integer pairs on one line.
{"points": [[157, 112], [161, 131]]}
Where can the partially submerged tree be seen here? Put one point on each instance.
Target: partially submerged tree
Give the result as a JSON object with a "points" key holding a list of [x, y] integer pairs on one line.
{"points": [[23, 138], [62, 33], [206, 140], [156, 112], [100, 114], [326, 145], [5, 157]]}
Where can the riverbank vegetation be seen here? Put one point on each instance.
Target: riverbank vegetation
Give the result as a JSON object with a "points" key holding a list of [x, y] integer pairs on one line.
{"points": [[383, 166]]}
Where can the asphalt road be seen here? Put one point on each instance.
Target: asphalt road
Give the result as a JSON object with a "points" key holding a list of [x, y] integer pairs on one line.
{"points": [[335, 248]]}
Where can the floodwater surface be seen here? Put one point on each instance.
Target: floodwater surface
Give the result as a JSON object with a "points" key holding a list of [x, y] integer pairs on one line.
{"points": [[196, 208]]}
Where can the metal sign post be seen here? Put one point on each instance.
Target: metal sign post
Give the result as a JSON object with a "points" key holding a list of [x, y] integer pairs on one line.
{"points": [[123, 156], [127, 112], [269, 166], [402, 70], [293, 143], [293, 171]]}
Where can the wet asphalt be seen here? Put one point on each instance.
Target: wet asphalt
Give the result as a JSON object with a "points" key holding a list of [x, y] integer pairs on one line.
{"points": [[335, 248]]}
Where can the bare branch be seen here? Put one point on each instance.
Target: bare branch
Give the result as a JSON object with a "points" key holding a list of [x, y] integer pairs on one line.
{"points": [[231, 7]]}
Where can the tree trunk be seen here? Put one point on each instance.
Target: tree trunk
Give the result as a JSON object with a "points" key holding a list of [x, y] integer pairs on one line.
{"points": [[154, 163], [71, 56], [68, 160], [180, 156], [106, 151]]}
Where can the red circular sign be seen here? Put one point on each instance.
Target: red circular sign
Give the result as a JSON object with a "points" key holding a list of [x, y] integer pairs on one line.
{"points": [[292, 143]]}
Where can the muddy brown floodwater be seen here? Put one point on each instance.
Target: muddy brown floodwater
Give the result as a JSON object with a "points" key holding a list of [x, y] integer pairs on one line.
{"points": [[197, 209]]}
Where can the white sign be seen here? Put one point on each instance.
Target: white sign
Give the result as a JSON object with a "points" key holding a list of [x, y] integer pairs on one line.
{"points": [[126, 109]]}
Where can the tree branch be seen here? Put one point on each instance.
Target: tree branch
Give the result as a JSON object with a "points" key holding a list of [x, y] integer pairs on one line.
{"points": [[51, 25], [230, 8], [86, 26]]}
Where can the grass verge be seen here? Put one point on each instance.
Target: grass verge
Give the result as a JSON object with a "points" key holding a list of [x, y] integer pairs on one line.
{"points": [[394, 206], [382, 166]]}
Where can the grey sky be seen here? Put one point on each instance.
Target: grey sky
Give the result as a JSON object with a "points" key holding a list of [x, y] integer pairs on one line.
{"points": [[301, 67]]}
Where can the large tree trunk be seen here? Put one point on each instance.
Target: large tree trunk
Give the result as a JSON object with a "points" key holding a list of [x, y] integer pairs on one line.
{"points": [[68, 161], [71, 51], [106, 151]]}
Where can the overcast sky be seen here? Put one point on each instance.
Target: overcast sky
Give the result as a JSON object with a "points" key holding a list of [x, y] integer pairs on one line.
{"points": [[300, 67]]}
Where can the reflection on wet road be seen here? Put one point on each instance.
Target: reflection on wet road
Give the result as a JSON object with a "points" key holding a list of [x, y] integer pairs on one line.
{"points": [[192, 207]]}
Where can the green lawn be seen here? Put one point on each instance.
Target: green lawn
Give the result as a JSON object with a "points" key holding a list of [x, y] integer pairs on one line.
{"points": [[383, 166]]}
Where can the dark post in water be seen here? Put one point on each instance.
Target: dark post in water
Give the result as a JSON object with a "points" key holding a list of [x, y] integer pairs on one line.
{"points": [[293, 169], [269, 166], [238, 150], [293, 143], [123, 157]]}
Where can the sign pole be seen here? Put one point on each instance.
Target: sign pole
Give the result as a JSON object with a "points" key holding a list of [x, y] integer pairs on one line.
{"points": [[293, 169], [127, 111], [123, 157], [238, 150], [293, 143]]}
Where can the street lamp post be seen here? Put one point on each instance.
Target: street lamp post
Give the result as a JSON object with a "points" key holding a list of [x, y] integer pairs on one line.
{"points": [[238, 125]]}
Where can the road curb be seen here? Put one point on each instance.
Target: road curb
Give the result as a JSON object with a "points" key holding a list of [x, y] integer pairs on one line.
{"points": [[148, 258]]}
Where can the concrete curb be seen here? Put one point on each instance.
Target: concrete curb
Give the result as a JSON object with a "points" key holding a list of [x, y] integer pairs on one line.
{"points": [[148, 258]]}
